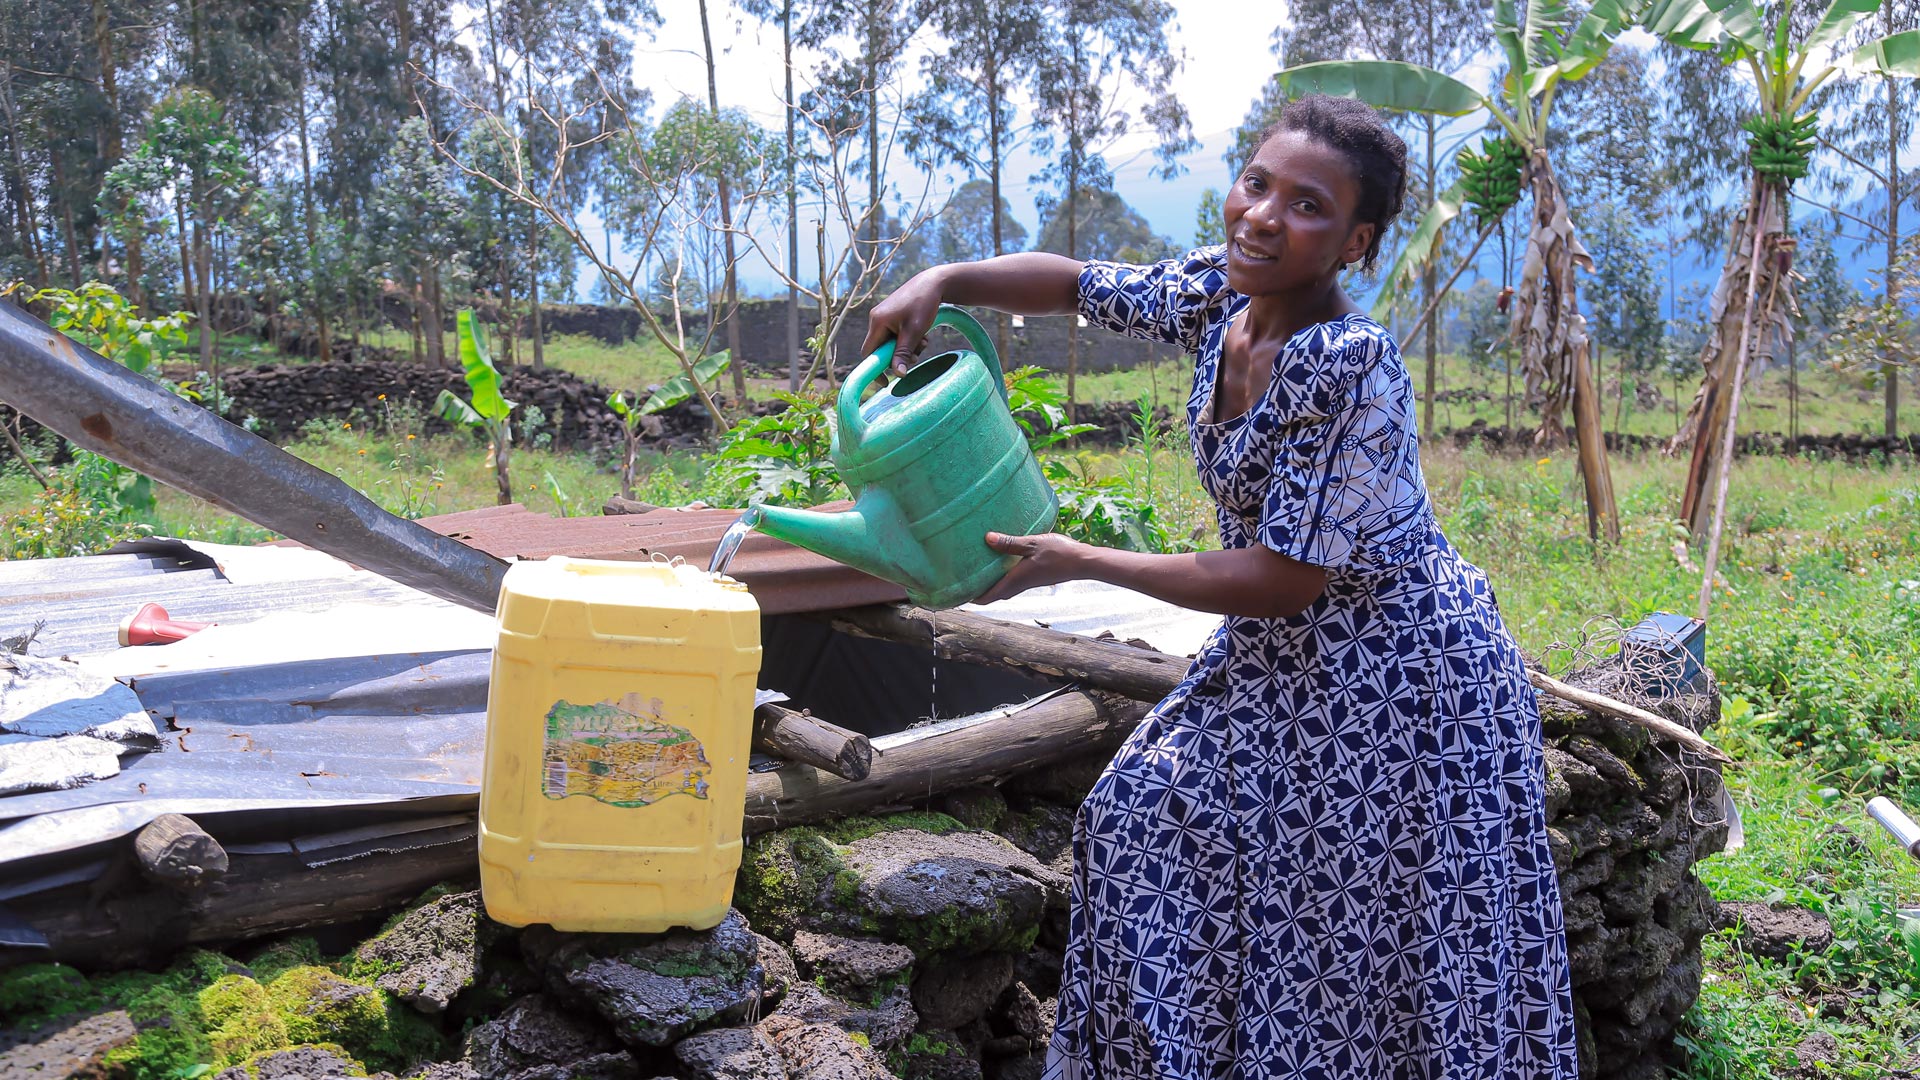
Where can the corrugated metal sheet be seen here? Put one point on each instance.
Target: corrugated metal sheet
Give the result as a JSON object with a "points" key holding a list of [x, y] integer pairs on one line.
{"points": [[785, 579], [314, 730]]}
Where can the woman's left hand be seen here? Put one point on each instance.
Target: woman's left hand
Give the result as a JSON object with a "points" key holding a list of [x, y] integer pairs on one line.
{"points": [[1045, 559]]}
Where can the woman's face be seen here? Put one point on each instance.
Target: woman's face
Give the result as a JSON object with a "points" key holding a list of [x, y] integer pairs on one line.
{"points": [[1290, 217]]}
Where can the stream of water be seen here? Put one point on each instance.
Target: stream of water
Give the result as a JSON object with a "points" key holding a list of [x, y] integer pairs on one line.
{"points": [[731, 540]]}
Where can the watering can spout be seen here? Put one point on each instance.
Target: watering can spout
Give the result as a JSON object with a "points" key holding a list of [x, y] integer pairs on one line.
{"points": [[868, 537]]}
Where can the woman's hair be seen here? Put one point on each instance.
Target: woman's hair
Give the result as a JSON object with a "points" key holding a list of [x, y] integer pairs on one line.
{"points": [[1379, 157]]}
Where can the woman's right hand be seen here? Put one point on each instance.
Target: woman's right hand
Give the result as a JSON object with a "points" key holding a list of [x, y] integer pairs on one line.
{"points": [[906, 316]]}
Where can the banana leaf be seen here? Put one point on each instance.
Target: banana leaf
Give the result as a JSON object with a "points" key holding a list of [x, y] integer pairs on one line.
{"points": [[1840, 18], [1895, 54], [1703, 24], [483, 382], [1540, 33], [455, 411], [1387, 84], [678, 389], [1418, 250], [1506, 30], [1592, 39]]}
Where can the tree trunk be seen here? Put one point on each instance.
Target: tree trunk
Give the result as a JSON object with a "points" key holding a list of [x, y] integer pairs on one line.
{"points": [[1891, 369], [1002, 325], [1553, 341], [416, 333], [1727, 320], [436, 321], [203, 265], [793, 212], [539, 336], [66, 214], [1429, 279], [314, 287], [29, 228], [876, 213], [110, 129], [731, 301]]}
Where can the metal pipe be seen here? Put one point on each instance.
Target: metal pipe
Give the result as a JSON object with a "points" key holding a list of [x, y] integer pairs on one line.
{"points": [[118, 414], [1897, 823]]}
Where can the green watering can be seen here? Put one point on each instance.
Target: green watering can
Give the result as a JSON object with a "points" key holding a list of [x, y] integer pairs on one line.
{"points": [[935, 461]]}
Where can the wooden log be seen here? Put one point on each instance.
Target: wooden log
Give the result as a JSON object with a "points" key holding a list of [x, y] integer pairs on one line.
{"points": [[261, 895], [1141, 674], [809, 740], [976, 752], [176, 852]]}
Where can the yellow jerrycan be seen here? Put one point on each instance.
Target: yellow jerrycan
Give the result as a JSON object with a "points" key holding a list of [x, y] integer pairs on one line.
{"points": [[618, 719]]}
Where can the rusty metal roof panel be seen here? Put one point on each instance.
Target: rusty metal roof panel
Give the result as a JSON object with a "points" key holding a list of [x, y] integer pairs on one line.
{"points": [[785, 579]]}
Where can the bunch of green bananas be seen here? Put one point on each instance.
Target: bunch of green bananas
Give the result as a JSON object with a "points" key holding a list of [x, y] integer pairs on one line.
{"points": [[1493, 177], [1781, 146]]}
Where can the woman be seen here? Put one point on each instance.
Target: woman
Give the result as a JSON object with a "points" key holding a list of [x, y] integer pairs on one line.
{"points": [[1324, 855]]}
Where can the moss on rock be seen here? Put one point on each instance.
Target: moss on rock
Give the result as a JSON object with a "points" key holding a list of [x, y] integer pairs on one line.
{"points": [[319, 1005], [785, 875], [32, 993], [240, 1019]]}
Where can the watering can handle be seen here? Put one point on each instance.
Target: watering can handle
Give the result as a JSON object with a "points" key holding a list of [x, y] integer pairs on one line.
{"points": [[853, 427]]}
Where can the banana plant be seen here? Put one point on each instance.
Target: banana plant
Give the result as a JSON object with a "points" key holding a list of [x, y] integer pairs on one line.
{"points": [[1545, 47], [485, 408], [1752, 299], [670, 393]]}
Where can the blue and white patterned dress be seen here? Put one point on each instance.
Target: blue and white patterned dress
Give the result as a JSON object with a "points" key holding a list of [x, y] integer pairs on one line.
{"points": [[1324, 855]]}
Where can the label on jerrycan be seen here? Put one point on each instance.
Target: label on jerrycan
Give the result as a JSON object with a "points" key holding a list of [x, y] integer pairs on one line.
{"points": [[620, 752]]}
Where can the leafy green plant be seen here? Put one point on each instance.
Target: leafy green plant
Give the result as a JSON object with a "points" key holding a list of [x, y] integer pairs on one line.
{"points": [[1032, 394], [1102, 510], [109, 324], [96, 502], [633, 413], [485, 408], [784, 458]]}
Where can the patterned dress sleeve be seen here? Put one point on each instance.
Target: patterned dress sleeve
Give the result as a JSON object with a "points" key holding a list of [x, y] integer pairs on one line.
{"points": [[1346, 492], [1168, 301]]}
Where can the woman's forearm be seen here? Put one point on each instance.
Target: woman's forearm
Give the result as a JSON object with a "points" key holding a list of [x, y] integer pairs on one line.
{"points": [[1026, 283], [1251, 582]]}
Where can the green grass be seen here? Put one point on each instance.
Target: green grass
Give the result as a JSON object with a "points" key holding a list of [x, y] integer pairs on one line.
{"points": [[1831, 402]]}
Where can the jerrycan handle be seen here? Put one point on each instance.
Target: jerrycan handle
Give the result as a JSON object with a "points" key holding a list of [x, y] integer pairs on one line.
{"points": [[853, 426]]}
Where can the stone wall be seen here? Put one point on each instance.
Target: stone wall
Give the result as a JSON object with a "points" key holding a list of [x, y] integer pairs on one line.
{"points": [[923, 945], [1628, 819]]}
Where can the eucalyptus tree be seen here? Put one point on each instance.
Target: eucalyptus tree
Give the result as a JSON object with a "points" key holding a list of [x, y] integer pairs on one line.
{"points": [[416, 211], [191, 151], [1544, 49], [972, 227], [796, 28], [563, 59], [966, 116], [849, 87], [1754, 292], [1095, 53], [1871, 126]]}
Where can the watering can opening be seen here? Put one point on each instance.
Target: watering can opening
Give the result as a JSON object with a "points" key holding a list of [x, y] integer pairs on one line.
{"points": [[923, 373]]}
